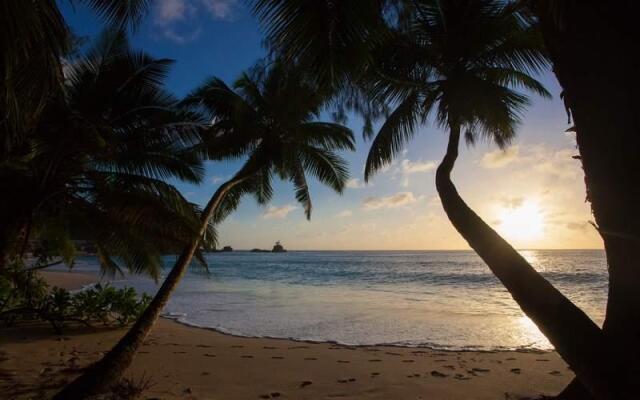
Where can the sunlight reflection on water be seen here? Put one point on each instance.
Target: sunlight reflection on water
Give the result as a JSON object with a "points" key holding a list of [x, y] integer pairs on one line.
{"points": [[442, 299]]}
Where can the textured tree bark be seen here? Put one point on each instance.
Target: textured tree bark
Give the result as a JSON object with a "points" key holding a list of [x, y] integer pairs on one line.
{"points": [[107, 371], [576, 338], [591, 44]]}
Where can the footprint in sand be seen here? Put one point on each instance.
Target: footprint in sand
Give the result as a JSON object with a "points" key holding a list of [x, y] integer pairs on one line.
{"points": [[555, 373], [205, 373], [375, 374], [310, 359], [305, 384], [204, 346], [278, 358], [461, 377], [375, 360], [209, 355], [449, 367], [511, 359], [179, 352], [272, 395], [480, 369], [542, 359], [438, 374], [516, 371], [246, 356], [408, 361], [237, 347], [344, 361], [298, 347], [269, 347], [393, 354]]}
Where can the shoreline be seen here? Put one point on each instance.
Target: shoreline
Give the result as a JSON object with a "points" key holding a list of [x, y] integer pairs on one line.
{"points": [[523, 349], [190, 363], [185, 362]]}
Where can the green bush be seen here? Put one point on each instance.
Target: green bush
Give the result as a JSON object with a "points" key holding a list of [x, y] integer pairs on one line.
{"points": [[24, 296]]}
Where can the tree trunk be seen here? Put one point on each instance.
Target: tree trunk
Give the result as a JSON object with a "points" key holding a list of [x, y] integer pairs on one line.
{"points": [[576, 338], [107, 371], [592, 46]]}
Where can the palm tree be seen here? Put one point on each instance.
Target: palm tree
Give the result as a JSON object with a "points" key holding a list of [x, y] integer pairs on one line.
{"points": [[271, 119], [461, 60], [34, 39], [590, 43], [579, 37], [96, 165]]}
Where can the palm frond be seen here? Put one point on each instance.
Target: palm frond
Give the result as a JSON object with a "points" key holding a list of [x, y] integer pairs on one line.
{"points": [[398, 128]]}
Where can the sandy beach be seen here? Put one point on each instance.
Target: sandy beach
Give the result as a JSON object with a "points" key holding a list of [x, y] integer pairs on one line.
{"points": [[191, 363]]}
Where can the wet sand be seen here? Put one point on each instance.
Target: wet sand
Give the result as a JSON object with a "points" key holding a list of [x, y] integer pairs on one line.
{"points": [[190, 363]]}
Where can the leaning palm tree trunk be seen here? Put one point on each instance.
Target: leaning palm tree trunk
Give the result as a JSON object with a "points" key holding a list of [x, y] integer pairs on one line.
{"points": [[603, 101], [576, 338], [107, 371]]}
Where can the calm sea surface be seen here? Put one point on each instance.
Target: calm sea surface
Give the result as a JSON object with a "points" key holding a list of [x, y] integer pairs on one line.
{"points": [[442, 299]]}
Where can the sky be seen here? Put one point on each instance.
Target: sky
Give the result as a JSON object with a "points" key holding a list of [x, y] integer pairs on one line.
{"points": [[532, 193]]}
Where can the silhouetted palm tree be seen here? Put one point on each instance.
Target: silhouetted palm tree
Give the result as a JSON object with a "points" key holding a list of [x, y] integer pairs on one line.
{"points": [[270, 118], [428, 48], [590, 44], [96, 165], [34, 40]]}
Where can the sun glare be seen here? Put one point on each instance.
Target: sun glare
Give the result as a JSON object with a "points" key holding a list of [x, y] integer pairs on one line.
{"points": [[524, 222]]}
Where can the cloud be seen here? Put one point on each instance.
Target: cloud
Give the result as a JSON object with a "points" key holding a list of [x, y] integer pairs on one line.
{"points": [[393, 201], [279, 212], [169, 11], [345, 214], [220, 9], [578, 226], [355, 183], [181, 20], [411, 167], [513, 202], [408, 167], [217, 179], [500, 158]]}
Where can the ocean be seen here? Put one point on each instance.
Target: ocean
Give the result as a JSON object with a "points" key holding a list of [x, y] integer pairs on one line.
{"points": [[439, 299]]}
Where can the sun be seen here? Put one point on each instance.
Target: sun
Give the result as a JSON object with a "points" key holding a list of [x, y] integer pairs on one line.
{"points": [[524, 222]]}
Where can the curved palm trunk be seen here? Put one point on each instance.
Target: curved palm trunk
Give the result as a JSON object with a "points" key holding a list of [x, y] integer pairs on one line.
{"points": [[589, 45], [576, 338], [107, 371]]}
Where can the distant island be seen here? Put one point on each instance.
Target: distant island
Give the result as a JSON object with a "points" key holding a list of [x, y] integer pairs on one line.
{"points": [[277, 248]]}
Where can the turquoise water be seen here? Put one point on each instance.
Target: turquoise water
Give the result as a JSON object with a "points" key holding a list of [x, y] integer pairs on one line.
{"points": [[442, 299]]}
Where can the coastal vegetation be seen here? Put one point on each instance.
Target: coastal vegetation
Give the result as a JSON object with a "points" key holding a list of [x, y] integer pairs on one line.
{"points": [[270, 120], [27, 298], [91, 140]]}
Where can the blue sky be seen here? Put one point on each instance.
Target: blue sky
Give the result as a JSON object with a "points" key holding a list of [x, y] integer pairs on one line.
{"points": [[533, 193]]}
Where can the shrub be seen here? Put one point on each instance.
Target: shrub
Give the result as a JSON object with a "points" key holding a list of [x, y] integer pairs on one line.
{"points": [[24, 296]]}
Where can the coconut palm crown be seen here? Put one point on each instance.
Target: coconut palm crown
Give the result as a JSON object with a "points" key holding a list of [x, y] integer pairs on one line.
{"points": [[270, 117], [465, 63]]}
